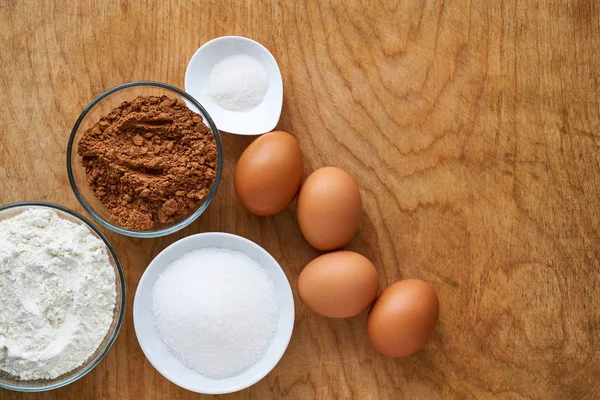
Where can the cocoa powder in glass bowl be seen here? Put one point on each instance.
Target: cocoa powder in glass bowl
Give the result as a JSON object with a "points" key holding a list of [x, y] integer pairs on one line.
{"points": [[145, 159], [149, 161]]}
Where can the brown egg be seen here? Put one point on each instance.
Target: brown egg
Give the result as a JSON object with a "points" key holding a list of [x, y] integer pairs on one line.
{"points": [[269, 173], [403, 318], [338, 285], [329, 208]]}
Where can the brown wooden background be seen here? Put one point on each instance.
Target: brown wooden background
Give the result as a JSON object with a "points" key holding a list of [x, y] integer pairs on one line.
{"points": [[471, 127]]}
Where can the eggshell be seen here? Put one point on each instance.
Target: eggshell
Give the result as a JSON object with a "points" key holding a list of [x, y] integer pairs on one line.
{"points": [[329, 208], [338, 285], [269, 173], [403, 318]]}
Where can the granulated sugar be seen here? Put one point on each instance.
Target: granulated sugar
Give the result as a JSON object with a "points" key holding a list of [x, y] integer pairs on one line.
{"points": [[216, 310]]}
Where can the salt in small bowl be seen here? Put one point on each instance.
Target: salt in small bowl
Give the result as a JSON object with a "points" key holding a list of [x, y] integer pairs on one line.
{"points": [[257, 121]]}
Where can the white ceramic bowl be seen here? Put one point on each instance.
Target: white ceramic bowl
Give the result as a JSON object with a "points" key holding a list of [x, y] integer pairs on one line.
{"points": [[261, 119], [157, 352]]}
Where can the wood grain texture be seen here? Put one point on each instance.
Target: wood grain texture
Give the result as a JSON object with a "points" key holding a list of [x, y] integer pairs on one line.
{"points": [[470, 126]]}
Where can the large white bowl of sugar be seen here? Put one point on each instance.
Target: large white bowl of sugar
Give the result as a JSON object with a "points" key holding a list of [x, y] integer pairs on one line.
{"points": [[197, 358]]}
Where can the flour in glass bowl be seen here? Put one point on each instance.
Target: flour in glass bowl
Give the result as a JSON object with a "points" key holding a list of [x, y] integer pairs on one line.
{"points": [[57, 294]]}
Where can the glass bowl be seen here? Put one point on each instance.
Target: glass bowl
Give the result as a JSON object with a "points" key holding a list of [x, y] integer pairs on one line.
{"points": [[103, 105], [11, 382]]}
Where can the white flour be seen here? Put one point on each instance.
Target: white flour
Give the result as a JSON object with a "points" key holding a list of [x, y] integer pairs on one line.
{"points": [[238, 83], [57, 294]]}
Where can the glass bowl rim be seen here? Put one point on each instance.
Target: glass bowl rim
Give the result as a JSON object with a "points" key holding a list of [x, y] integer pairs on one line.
{"points": [[121, 278], [181, 224]]}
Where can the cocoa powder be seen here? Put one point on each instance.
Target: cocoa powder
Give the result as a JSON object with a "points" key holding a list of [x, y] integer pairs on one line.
{"points": [[149, 161]]}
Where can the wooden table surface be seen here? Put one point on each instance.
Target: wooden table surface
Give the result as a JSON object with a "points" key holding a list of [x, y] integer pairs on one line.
{"points": [[470, 126]]}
